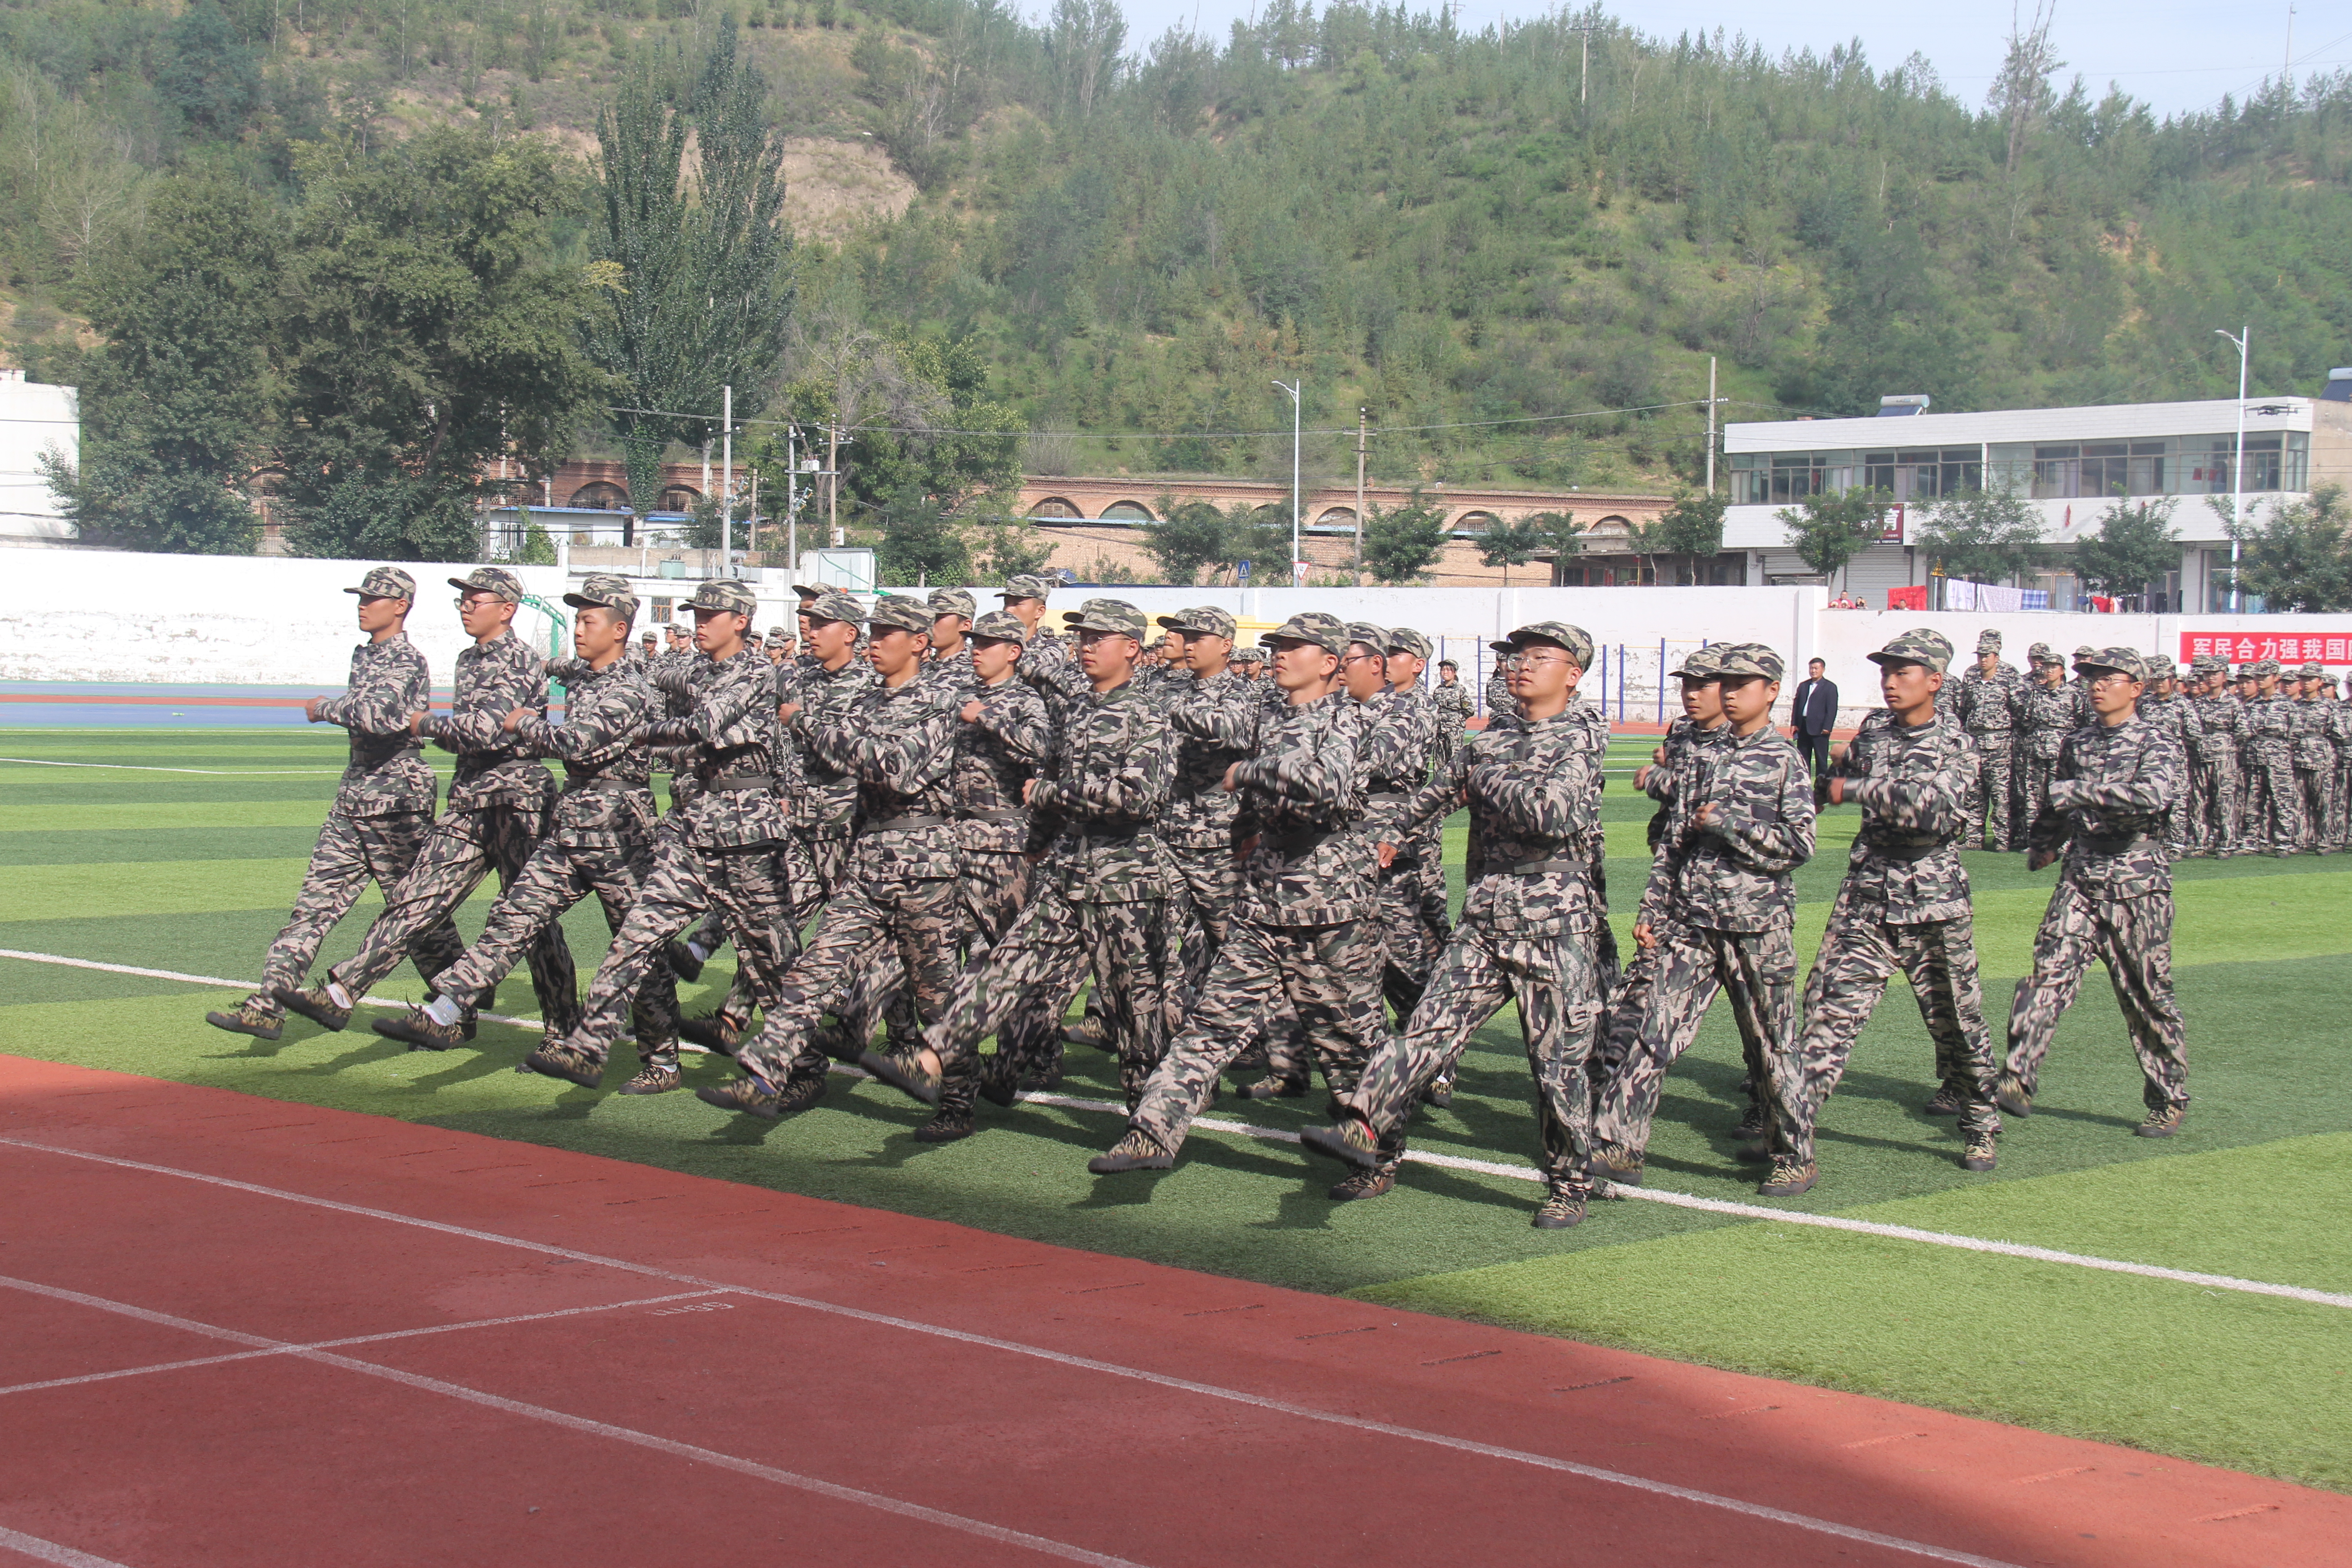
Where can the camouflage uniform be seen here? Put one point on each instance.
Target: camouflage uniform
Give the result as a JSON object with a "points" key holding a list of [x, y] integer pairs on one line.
{"points": [[1303, 929], [900, 899], [1402, 746], [1099, 895], [1722, 904], [2273, 809], [1988, 708], [2171, 714], [1904, 904], [1500, 703], [2113, 899], [601, 839], [1455, 708], [2047, 715], [2217, 734], [2340, 833], [383, 808], [721, 850], [1215, 722], [1527, 928], [499, 798], [2315, 764]]}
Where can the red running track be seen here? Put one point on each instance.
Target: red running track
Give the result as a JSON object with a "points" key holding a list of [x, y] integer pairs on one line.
{"points": [[247, 1331]]}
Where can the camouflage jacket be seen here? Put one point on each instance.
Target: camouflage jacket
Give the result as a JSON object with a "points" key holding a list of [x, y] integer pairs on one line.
{"points": [[386, 774], [1912, 784], [1681, 735], [493, 679], [1533, 794], [2270, 731], [1454, 705], [1095, 809], [1733, 873], [1049, 662], [2217, 730], [606, 800], [2315, 730], [2047, 715], [898, 743], [2341, 729], [995, 755], [1216, 725], [954, 674], [1301, 796], [2109, 806], [1991, 705], [727, 746], [824, 797], [1402, 743], [1500, 703]]}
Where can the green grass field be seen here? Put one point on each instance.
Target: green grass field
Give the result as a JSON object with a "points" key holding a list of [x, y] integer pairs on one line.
{"points": [[193, 872]]}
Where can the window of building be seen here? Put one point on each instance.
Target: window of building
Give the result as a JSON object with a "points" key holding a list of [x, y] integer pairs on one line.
{"points": [[2273, 463], [1925, 475]]}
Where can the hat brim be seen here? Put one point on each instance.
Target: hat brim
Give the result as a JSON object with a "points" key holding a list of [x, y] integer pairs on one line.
{"points": [[2085, 666], [581, 602], [1882, 659], [1703, 674], [362, 592]]}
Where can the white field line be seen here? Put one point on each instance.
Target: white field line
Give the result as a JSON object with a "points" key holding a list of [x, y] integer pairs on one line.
{"points": [[960, 1336], [1511, 1173], [217, 772], [594, 1429], [41, 1550]]}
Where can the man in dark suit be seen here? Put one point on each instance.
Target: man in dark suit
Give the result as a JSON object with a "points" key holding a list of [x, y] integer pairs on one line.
{"points": [[1813, 712]]}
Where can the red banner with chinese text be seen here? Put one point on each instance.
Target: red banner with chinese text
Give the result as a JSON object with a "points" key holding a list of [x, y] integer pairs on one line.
{"points": [[2287, 647]]}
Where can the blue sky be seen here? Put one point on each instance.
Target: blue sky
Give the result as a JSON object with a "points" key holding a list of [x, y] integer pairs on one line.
{"points": [[2173, 53]]}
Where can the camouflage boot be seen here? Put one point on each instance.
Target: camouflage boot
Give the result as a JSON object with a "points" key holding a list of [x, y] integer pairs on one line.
{"points": [[314, 1004], [714, 1032], [1135, 1151], [417, 1030], [1789, 1177], [1351, 1141], [1981, 1152], [682, 962], [2012, 1097], [655, 1078], [1362, 1184], [252, 1016], [1562, 1207], [744, 1094], [1945, 1101], [558, 1058], [1611, 1163], [903, 1074], [2162, 1122]]}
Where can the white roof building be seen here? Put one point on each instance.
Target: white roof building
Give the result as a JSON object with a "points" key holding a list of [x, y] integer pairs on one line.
{"points": [[2070, 462], [34, 418]]}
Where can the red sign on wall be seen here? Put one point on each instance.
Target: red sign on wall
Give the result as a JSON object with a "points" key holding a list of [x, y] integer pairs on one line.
{"points": [[2287, 647]]}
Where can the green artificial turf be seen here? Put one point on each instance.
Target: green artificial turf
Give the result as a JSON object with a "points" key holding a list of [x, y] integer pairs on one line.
{"points": [[192, 873]]}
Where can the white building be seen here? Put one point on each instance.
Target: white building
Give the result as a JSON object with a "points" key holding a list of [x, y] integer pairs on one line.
{"points": [[2071, 461], [34, 419]]}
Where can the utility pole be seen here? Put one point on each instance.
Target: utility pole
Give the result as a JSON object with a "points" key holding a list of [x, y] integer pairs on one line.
{"points": [[1296, 571], [833, 481], [726, 481], [1584, 64], [1710, 424], [791, 507], [1363, 416], [2238, 463]]}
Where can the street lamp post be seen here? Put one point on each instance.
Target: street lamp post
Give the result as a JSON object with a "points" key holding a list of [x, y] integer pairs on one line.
{"points": [[2238, 463], [1296, 407]]}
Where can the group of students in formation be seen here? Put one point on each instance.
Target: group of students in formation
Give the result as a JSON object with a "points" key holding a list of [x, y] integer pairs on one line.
{"points": [[936, 825]]}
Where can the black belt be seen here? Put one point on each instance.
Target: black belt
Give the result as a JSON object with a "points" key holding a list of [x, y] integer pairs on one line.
{"points": [[1013, 816], [1295, 845], [2115, 843], [1386, 795], [1909, 854], [740, 782], [891, 824], [1530, 868]]}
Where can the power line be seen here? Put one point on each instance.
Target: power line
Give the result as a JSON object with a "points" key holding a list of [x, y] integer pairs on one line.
{"points": [[1186, 434]]}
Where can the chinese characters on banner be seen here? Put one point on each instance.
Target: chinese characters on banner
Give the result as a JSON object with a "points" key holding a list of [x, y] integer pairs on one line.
{"points": [[2287, 647]]}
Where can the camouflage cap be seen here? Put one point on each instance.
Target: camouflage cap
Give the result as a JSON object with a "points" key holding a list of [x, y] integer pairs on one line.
{"points": [[725, 594], [1405, 640], [681, 628], [2159, 667], [1700, 664], [1752, 659], [1315, 628], [998, 626], [832, 605], [779, 637], [1371, 636], [1028, 585], [1920, 645], [605, 590], [2310, 672], [2259, 668], [2042, 652], [1204, 620], [490, 579], [1250, 655], [901, 612], [2127, 659], [2084, 651], [1987, 641], [1107, 615], [1575, 640], [385, 583], [954, 602], [807, 590], [649, 635]]}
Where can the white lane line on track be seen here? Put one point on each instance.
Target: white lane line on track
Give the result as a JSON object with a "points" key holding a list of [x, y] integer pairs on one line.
{"points": [[42, 1550], [276, 1349], [214, 772], [583, 1424], [1494, 1168], [1014, 1347]]}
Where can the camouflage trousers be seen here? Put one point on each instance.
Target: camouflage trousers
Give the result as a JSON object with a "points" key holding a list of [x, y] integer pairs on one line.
{"points": [[1037, 966], [556, 877], [1551, 978], [741, 881], [812, 870], [2133, 937], [1756, 969], [2273, 809], [2340, 827], [351, 850], [994, 890], [2212, 808], [2034, 773], [1858, 956], [2316, 790], [1329, 975], [1988, 804], [878, 935], [464, 848], [1197, 916]]}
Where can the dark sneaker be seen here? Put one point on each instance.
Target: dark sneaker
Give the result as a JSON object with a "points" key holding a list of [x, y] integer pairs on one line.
{"points": [[682, 962], [837, 1040], [947, 1126], [1754, 1121], [314, 1004], [999, 1083], [1362, 1184], [1560, 1209], [1351, 1141], [1945, 1101], [713, 1032], [2012, 1098], [744, 1094], [653, 1078], [250, 1018], [1981, 1152], [1789, 1178], [1754, 1148], [1440, 1093], [2162, 1122], [1135, 1151], [556, 1059], [417, 1029], [799, 1093], [1274, 1089], [1088, 1031], [1621, 1166], [901, 1073]]}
